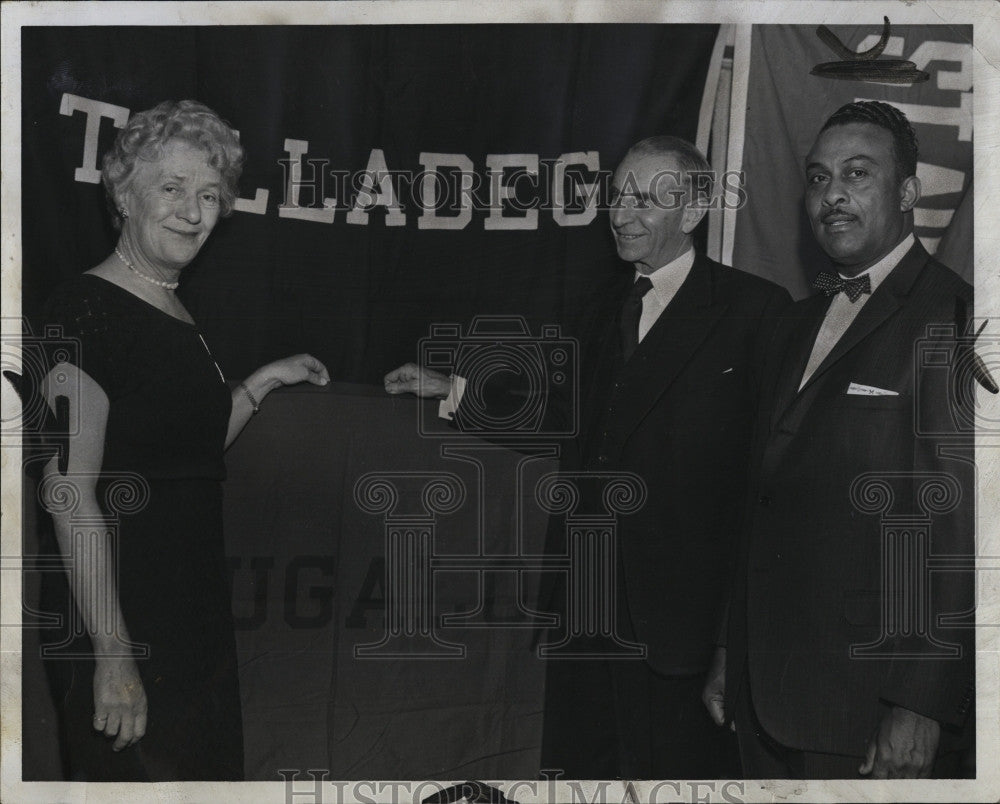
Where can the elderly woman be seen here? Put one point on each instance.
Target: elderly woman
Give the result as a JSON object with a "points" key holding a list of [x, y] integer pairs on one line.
{"points": [[152, 693]]}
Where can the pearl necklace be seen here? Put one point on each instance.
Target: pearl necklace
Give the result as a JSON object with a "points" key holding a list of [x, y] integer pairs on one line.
{"points": [[141, 275]]}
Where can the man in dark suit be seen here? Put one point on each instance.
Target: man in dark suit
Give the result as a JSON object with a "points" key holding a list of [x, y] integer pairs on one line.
{"points": [[668, 373], [839, 661]]}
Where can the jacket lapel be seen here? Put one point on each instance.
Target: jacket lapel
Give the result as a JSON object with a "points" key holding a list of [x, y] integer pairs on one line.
{"points": [[885, 301], [670, 343], [799, 339]]}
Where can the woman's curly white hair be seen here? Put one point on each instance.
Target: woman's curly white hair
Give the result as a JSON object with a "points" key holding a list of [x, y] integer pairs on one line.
{"points": [[146, 134]]}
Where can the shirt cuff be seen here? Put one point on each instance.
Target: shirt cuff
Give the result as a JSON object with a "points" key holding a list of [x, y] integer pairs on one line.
{"points": [[448, 406]]}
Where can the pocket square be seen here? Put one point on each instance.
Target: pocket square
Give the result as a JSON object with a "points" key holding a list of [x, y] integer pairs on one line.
{"points": [[728, 370], [857, 389]]}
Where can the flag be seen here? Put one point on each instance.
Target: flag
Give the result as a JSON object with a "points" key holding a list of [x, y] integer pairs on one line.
{"points": [[786, 107]]}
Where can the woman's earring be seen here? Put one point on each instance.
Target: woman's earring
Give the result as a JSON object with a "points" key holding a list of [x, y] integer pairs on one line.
{"points": [[123, 212]]}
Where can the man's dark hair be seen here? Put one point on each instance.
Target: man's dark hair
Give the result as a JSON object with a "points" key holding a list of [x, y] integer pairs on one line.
{"points": [[689, 158], [904, 140]]}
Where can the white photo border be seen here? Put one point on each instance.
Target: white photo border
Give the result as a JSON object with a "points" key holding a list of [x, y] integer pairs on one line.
{"points": [[983, 15]]}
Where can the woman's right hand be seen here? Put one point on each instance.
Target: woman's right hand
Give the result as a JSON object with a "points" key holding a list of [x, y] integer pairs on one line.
{"points": [[119, 701]]}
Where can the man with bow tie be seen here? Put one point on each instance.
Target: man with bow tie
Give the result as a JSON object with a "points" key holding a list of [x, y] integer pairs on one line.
{"points": [[839, 659], [669, 359]]}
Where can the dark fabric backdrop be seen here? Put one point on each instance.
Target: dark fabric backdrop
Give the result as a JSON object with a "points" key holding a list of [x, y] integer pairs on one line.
{"points": [[356, 296], [359, 297]]}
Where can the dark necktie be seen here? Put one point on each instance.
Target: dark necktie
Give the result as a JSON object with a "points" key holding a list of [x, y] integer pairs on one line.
{"points": [[832, 284], [631, 313]]}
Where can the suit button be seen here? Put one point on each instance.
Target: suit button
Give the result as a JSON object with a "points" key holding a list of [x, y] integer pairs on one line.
{"points": [[763, 500], [602, 458]]}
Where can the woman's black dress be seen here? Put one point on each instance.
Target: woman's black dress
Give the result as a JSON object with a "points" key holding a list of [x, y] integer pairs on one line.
{"points": [[169, 411]]}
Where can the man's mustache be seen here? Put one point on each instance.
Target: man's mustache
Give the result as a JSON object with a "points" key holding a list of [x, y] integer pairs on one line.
{"points": [[836, 215]]}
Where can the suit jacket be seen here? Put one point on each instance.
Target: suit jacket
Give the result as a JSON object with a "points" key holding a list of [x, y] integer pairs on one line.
{"points": [[840, 486], [679, 415]]}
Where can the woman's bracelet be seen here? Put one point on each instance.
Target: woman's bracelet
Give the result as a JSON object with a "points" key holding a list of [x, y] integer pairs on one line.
{"points": [[253, 402]]}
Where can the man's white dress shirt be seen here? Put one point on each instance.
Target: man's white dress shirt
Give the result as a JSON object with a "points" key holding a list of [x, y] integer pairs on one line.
{"points": [[843, 311], [666, 280]]}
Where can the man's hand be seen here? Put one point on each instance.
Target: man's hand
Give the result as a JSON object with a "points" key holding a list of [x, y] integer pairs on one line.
{"points": [[119, 701], [903, 746], [412, 379], [714, 694]]}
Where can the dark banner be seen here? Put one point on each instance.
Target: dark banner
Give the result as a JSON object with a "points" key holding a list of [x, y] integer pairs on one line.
{"points": [[355, 232], [338, 669]]}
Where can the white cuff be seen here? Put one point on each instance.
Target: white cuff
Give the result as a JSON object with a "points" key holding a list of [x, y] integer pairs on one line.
{"points": [[448, 406]]}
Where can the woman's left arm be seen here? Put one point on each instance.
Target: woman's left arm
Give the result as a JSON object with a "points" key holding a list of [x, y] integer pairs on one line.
{"points": [[248, 395]]}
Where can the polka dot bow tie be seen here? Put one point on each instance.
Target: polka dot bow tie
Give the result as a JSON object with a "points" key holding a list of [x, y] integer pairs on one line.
{"points": [[831, 284]]}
